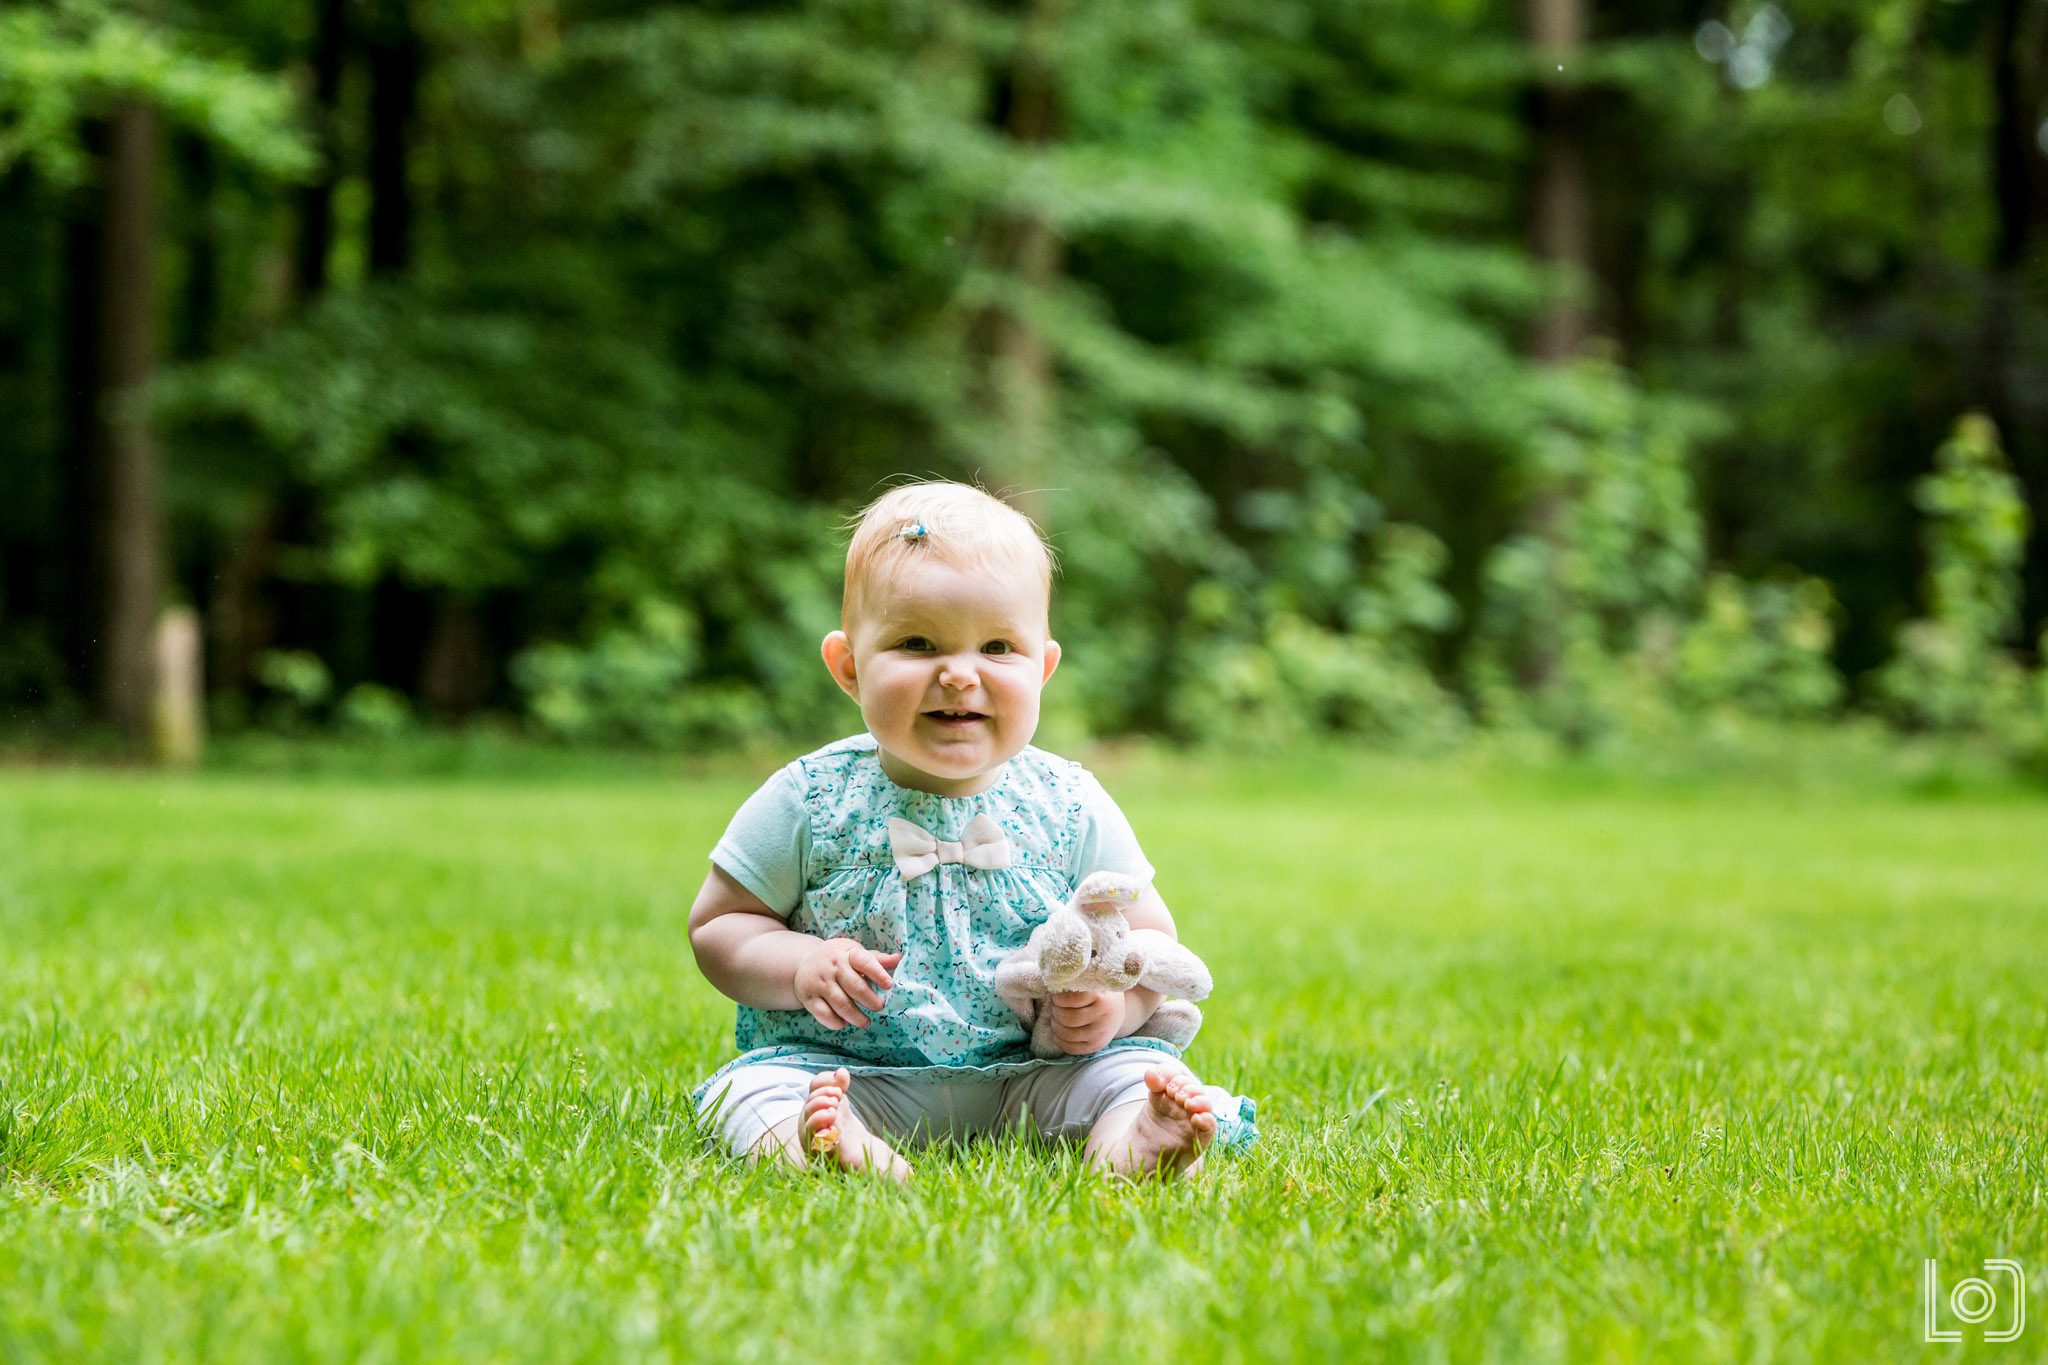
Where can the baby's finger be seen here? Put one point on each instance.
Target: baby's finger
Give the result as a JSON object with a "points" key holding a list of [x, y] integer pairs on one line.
{"points": [[823, 1015], [1081, 1008], [868, 965], [845, 1008], [856, 986], [1072, 1032]]}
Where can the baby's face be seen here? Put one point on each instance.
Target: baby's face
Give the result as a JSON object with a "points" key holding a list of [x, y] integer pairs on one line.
{"points": [[947, 665]]}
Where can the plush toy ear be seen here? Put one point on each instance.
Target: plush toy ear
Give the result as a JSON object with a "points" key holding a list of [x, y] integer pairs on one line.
{"points": [[1109, 889]]}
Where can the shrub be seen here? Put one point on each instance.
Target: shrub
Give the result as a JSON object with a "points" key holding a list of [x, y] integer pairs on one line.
{"points": [[1582, 611], [375, 711], [1952, 670], [1333, 639], [1761, 649]]}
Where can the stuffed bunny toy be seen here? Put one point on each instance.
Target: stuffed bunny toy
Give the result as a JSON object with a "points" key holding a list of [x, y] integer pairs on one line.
{"points": [[1088, 945]]}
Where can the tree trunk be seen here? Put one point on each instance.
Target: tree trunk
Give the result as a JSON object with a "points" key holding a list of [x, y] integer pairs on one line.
{"points": [[316, 203], [394, 61], [1020, 360], [243, 621], [128, 540], [2012, 156], [1561, 215], [198, 319], [2007, 389], [1561, 237], [178, 715], [452, 669], [82, 592], [455, 674]]}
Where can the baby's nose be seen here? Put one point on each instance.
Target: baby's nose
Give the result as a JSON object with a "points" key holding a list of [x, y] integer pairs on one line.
{"points": [[957, 674]]}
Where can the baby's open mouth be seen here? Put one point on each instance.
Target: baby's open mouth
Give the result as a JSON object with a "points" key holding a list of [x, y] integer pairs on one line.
{"points": [[955, 717]]}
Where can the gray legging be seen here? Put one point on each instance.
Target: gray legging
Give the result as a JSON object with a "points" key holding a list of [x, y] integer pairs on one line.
{"points": [[911, 1106]]}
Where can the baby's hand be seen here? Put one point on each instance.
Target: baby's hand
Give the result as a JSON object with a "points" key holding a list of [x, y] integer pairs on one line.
{"points": [[832, 982], [1086, 1021]]}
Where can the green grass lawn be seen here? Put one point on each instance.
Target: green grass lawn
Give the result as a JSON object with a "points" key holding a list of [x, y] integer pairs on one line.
{"points": [[1547, 1067]]}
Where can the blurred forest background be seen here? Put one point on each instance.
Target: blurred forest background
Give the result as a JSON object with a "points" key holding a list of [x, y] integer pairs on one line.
{"points": [[1385, 368]]}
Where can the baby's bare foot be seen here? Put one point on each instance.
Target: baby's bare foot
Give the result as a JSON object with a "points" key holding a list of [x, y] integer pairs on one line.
{"points": [[1171, 1131], [829, 1131]]}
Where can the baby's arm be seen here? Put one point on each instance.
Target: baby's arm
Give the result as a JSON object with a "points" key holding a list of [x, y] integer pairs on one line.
{"points": [[744, 948]]}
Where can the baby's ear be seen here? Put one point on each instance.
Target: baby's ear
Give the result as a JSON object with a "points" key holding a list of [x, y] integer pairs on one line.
{"points": [[837, 652], [1052, 661]]}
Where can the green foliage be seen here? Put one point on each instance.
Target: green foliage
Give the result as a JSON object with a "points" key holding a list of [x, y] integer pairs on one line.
{"points": [[1954, 669], [374, 712], [1807, 244], [1297, 681], [297, 680], [1593, 598], [1326, 627], [1604, 621], [639, 683], [62, 66], [30, 668], [2041, 694], [776, 243], [1234, 293], [453, 449], [1761, 649]]}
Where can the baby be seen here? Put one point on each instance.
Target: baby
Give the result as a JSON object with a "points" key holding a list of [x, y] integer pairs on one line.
{"points": [[860, 901]]}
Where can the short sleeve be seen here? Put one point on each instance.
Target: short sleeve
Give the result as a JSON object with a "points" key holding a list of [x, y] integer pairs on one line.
{"points": [[1106, 843], [765, 845]]}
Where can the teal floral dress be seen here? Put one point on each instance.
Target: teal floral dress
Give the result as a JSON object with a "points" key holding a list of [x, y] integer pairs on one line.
{"points": [[814, 844]]}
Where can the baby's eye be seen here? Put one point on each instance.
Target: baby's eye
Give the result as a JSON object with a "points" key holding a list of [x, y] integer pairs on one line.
{"points": [[997, 647], [914, 642]]}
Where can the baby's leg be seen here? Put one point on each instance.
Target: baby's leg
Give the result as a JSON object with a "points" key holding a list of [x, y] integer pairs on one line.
{"points": [[771, 1111], [1140, 1113], [1163, 1134], [827, 1129]]}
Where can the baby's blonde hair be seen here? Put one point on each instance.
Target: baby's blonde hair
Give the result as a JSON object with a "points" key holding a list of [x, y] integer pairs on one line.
{"points": [[953, 523]]}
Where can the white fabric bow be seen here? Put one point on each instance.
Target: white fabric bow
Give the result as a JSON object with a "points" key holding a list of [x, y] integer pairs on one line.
{"points": [[916, 852]]}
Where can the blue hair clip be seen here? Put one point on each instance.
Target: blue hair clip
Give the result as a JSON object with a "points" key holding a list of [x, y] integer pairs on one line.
{"points": [[913, 531]]}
